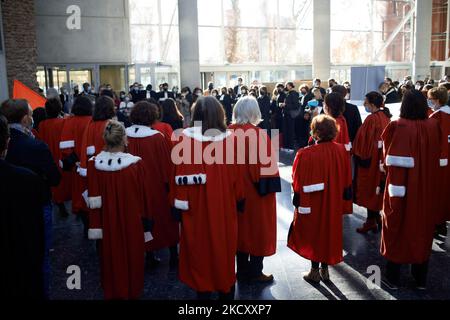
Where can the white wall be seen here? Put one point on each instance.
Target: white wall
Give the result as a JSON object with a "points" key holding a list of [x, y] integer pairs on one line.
{"points": [[104, 36]]}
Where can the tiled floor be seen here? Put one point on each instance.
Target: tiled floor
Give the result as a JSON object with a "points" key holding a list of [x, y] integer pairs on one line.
{"points": [[348, 278]]}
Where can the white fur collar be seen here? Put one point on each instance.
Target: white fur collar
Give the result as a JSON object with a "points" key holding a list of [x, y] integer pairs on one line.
{"points": [[136, 131], [196, 133], [445, 109], [107, 161]]}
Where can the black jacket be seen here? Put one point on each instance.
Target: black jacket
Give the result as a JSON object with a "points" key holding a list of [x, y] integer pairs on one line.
{"points": [[161, 96], [227, 104], [353, 118], [392, 96], [292, 103], [264, 107], [22, 230], [24, 151]]}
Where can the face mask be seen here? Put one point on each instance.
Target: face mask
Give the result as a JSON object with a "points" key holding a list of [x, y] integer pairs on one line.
{"points": [[244, 92], [122, 97], [127, 99], [199, 94], [316, 85], [313, 103], [367, 109], [431, 104], [89, 89]]}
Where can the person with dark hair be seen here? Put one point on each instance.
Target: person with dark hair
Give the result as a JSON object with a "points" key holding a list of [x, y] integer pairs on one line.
{"points": [[322, 182], [152, 147], [411, 162], [207, 197], [368, 153], [22, 225], [257, 225], [39, 115], [165, 93], [25, 151], [291, 110], [227, 104], [351, 113], [198, 92], [50, 131], [317, 84], [93, 142], [264, 108], [237, 89], [390, 93], [71, 151], [120, 208], [305, 95], [171, 115], [334, 105], [151, 92], [278, 98], [439, 97]]}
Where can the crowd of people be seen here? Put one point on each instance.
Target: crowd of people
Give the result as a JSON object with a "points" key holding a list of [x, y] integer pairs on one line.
{"points": [[124, 163]]}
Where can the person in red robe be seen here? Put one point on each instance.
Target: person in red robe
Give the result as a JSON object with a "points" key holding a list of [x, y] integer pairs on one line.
{"points": [[411, 162], [70, 145], [50, 132], [368, 154], [322, 181], [208, 193], [93, 142], [257, 225], [152, 147], [334, 106], [439, 98], [119, 215]]}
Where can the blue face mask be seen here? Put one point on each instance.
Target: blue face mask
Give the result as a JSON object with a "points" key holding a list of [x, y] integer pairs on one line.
{"points": [[367, 109], [431, 104], [313, 103]]}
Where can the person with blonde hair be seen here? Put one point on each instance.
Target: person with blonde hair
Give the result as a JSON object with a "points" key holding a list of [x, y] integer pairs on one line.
{"points": [[119, 214], [257, 226], [322, 182]]}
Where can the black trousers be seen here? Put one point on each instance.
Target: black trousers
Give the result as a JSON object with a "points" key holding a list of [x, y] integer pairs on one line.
{"points": [[418, 271], [288, 132], [248, 265], [371, 214], [315, 265]]}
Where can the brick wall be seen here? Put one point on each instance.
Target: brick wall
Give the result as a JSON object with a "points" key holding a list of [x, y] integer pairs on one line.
{"points": [[19, 31]]}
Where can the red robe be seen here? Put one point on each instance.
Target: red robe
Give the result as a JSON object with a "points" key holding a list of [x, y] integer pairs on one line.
{"points": [[50, 132], [92, 143], [118, 203], [368, 149], [443, 117], [165, 129], [411, 150], [342, 136], [207, 194], [257, 225], [321, 181], [71, 140], [152, 147]]}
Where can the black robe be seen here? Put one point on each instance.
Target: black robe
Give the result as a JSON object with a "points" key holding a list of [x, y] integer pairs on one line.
{"points": [[22, 233]]}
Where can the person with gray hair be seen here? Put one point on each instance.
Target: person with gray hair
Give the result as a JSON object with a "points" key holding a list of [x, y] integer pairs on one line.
{"points": [[258, 223], [246, 111]]}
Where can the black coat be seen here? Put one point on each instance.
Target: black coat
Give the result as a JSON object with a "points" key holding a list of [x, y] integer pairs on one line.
{"points": [[227, 104], [264, 107], [22, 233], [137, 96], [353, 118], [392, 97], [161, 96], [292, 104], [24, 151]]}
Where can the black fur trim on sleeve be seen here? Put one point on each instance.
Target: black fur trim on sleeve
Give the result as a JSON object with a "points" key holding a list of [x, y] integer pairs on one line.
{"points": [[268, 185]]}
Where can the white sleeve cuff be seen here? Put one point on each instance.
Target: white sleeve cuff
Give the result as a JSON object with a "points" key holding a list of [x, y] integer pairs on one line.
{"points": [[95, 234]]}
